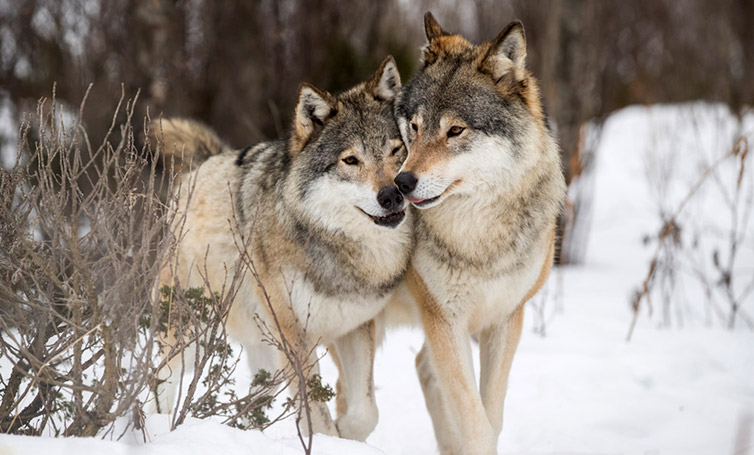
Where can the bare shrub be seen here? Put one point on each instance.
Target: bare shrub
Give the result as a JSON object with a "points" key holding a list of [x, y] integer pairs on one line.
{"points": [[195, 317], [83, 236], [704, 255], [81, 240]]}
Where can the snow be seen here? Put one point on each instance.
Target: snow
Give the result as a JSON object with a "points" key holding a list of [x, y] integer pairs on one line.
{"points": [[198, 437], [679, 387]]}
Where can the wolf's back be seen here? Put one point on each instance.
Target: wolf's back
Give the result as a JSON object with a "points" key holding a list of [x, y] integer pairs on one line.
{"points": [[185, 143]]}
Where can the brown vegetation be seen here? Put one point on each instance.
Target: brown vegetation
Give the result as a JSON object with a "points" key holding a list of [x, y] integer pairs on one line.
{"points": [[84, 231]]}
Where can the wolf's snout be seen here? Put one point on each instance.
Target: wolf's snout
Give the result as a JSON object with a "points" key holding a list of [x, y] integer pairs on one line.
{"points": [[406, 182], [390, 198]]}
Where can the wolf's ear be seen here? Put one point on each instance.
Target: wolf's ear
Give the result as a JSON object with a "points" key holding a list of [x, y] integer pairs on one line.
{"points": [[507, 53], [387, 80], [313, 109], [431, 28]]}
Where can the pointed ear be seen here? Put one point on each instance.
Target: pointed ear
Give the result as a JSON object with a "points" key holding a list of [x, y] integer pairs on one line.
{"points": [[387, 80], [507, 53], [313, 109], [431, 28]]}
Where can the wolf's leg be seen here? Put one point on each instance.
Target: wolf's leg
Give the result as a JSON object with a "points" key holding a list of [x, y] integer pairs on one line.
{"points": [[355, 353], [321, 419], [341, 404], [497, 345], [450, 354], [261, 357], [278, 303], [448, 440]]}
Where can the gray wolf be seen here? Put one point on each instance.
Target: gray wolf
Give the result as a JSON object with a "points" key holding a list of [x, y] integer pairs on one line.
{"points": [[331, 233], [484, 169]]}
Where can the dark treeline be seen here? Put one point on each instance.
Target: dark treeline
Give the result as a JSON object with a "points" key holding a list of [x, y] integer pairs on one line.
{"points": [[236, 64]]}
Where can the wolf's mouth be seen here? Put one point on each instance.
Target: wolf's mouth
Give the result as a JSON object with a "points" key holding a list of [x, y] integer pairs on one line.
{"points": [[422, 203], [391, 220]]}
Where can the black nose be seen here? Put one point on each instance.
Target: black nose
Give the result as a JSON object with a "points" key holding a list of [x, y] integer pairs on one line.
{"points": [[389, 198], [406, 182]]}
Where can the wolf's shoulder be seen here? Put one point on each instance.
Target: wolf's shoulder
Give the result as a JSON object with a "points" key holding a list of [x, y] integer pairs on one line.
{"points": [[260, 154], [263, 165]]}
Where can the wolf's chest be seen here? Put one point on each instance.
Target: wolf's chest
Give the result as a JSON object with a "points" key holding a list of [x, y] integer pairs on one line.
{"points": [[481, 296], [488, 240], [330, 316]]}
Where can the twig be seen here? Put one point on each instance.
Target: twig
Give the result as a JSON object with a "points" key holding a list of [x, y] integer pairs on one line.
{"points": [[665, 232]]}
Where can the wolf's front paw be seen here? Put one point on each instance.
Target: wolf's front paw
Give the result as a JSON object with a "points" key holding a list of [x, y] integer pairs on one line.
{"points": [[322, 423], [481, 445], [357, 425]]}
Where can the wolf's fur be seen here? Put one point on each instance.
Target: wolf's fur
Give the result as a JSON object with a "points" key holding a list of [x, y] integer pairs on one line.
{"points": [[491, 195], [315, 244], [187, 143]]}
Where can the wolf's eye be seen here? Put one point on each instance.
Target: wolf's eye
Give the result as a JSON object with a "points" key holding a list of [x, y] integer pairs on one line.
{"points": [[351, 160], [395, 150], [455, 131], [414, 126]]}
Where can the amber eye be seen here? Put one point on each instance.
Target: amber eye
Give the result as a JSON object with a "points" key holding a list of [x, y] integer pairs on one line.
{"points": [[455, 131], [395, 150], [414, 126], [351, 160]]}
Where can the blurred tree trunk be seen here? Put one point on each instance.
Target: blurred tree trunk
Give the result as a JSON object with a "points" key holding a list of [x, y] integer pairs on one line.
{"points": [[570, 77]]}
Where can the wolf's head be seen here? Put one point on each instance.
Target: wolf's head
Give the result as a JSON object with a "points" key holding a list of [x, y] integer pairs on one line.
{"points": [[471, 117], [346, 151]]}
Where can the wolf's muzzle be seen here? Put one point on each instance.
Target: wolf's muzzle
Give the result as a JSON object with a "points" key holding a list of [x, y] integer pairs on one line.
{"points": [[390, 198], [406, 182], [391, 221]]}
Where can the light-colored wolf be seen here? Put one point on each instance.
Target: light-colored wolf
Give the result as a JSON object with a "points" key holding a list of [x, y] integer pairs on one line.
{"points": [[485, 171], [331, 234]]}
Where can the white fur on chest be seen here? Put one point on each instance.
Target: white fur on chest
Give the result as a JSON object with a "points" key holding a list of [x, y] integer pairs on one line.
{"points": [[482, 300], [462, 221], [329, 316], [385, 253]]}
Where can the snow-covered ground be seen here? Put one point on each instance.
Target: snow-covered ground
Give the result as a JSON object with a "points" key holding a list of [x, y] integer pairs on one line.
{"points": [[581, 389]]}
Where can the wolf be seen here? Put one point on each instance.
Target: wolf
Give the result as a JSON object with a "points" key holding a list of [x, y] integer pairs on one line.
{"points": [[484, 170], [331, 234]]}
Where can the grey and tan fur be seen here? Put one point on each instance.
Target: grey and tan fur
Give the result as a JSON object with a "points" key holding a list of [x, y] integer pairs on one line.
{"points": [[331, 234], [190, 143], [485, 171]]}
